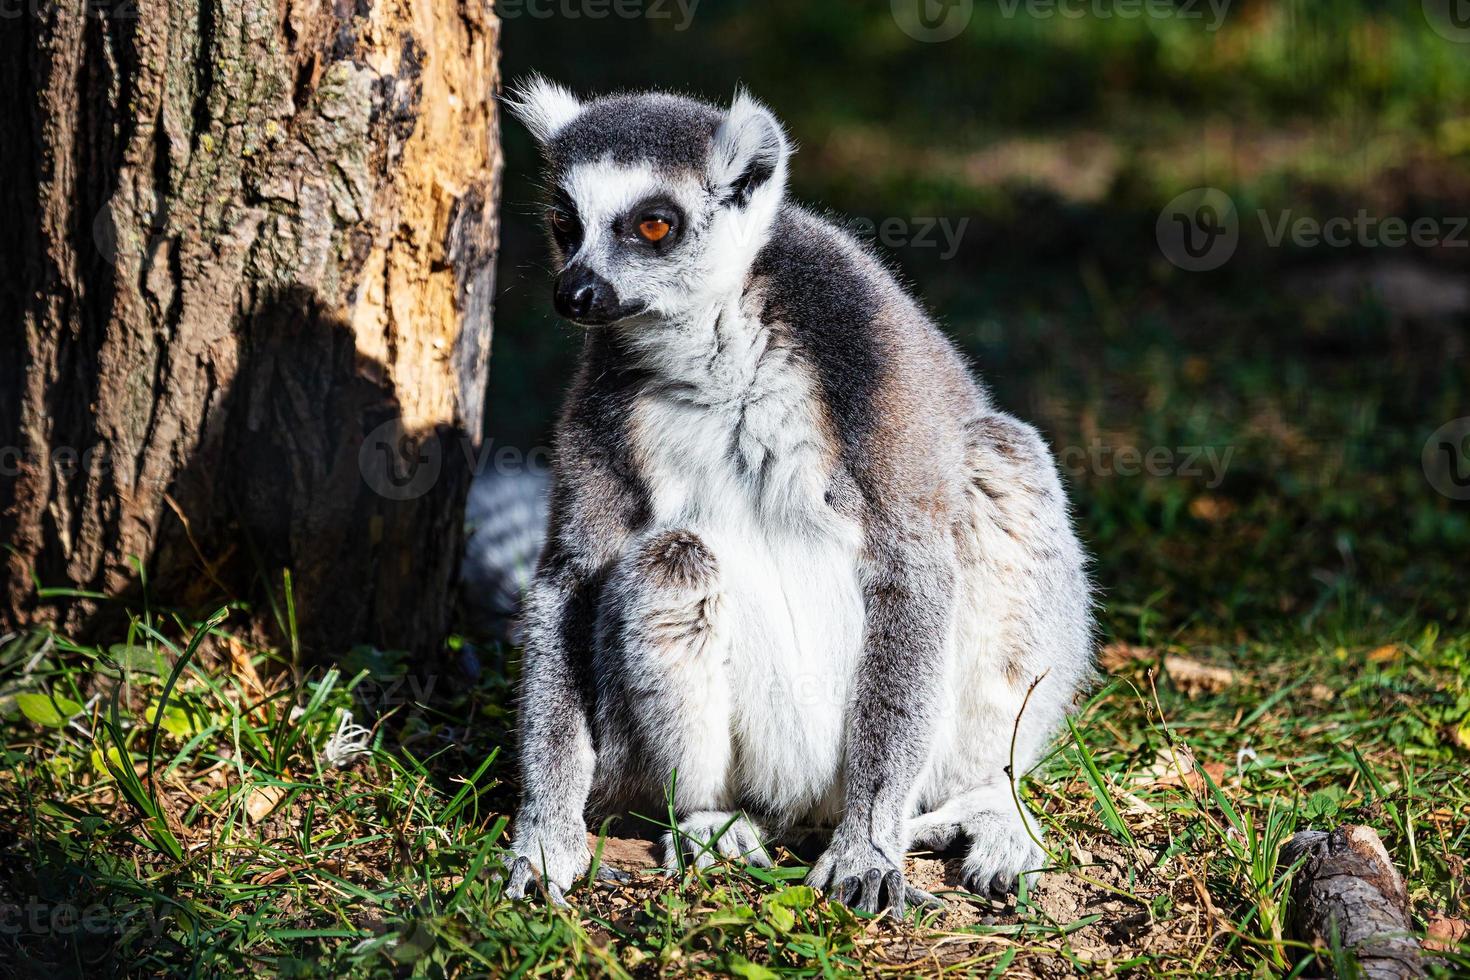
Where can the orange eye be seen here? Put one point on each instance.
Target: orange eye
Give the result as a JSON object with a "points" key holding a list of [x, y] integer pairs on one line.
{"points": [[653, 229]]}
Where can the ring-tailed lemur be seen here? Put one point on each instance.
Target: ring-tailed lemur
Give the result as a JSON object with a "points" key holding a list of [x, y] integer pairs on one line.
{"points": [[797, 564]]}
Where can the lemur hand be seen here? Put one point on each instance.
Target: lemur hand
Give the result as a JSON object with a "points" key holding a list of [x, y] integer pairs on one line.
{"points": [[549, 859], [858, 874]]}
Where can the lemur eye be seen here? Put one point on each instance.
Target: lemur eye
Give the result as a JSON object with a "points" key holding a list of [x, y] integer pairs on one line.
{"points": [[653, 229], [562, 222]]}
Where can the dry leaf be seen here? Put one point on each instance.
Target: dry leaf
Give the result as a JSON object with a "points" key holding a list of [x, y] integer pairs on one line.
{"points": [[1116, 656], [1385, 653], [1193, 677], [1211, 510], [242, 667], [261, 801], [1446, 934], [1179, 768]]}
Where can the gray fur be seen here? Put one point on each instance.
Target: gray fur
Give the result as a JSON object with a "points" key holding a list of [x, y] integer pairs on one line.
{"points": [[796, 557]]}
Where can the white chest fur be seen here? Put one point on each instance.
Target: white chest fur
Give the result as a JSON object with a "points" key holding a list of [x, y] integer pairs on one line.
{"points": [[733, 445]]}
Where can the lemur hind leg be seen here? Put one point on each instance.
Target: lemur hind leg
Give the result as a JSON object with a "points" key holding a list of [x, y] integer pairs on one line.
{"points": [[1025, 635], [660, 636]]}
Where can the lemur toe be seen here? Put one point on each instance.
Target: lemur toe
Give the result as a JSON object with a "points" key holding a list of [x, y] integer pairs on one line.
{"points": [[921, 898], [707, 837], [999, 887], [523, 881], [877, 890], [605, 873], [872, 893], [521, 875], [1003, 886]]}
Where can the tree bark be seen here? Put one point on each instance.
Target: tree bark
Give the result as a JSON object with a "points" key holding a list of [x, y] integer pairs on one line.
{"points": [[250, 266], [1348, 893]]}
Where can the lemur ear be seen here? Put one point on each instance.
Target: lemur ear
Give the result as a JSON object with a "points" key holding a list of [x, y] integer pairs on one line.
{"points": [[750, 150], [544, 107]]}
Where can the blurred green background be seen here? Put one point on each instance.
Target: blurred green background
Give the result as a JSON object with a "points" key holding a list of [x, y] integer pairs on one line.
{"points": [[1286, 395]]}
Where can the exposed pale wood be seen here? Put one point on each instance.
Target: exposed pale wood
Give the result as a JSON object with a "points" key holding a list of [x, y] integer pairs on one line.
{"points": [[1348, 891], [251, 234]]}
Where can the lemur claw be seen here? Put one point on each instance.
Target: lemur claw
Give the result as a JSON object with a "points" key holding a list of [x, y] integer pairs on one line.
{"points": [[863, 878], [997, 887], [605, 873], [878, 890], [522, 880]]}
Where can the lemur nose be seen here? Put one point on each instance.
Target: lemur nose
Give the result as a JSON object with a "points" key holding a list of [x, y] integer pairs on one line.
{"points": [[581, 302], [586, 297]]}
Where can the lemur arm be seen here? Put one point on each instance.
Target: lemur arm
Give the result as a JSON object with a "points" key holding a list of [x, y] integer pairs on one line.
{"points": [[593, 505], [557, 756], [909, 593]]}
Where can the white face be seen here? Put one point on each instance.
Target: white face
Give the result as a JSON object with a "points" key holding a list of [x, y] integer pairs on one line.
{"points": [[666, 241], [650, 240]]}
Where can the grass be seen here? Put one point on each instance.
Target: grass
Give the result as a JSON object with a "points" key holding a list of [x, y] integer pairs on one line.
{"points": [[170, 810]]}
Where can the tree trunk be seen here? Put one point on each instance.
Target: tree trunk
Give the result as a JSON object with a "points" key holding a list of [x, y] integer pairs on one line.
{"points": [[249, 265]]}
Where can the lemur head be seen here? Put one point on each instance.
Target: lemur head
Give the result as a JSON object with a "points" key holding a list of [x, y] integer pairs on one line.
{"points": [[659, 202]]}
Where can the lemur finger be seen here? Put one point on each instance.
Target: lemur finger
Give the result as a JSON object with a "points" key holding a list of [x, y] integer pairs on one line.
{"points": [[1001, 886], [872, 891], [820, 876], [757, 854], [847, 890], [521, 874], [918, 896], [605, 873], [893, 885], [555, 895]]}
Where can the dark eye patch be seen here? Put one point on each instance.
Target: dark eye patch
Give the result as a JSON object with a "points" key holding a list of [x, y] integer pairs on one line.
{"points": [[566, 225], [655, 223]]}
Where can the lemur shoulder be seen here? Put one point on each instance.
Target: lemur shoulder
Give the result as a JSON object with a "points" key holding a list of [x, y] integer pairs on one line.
{"points": [[798, 567]]}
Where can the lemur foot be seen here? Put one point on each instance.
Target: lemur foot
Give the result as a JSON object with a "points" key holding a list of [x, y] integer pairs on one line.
{"points": [[706, 835], [862, 877], [545, 861], [1001, 853]]}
